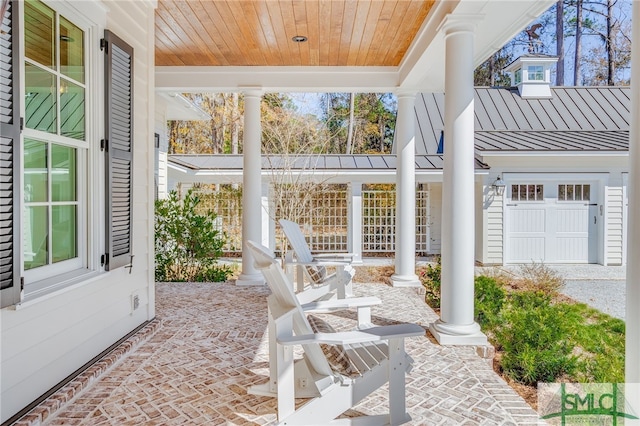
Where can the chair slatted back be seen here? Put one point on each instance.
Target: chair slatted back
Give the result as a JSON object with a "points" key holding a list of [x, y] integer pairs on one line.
{"points": [[286, 300], [296, 239]]}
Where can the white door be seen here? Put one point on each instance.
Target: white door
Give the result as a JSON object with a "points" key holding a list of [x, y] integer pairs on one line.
{"points": [[551, 223]]}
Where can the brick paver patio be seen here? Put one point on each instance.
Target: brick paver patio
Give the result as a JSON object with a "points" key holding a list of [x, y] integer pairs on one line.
{"points": [[193, 364]]}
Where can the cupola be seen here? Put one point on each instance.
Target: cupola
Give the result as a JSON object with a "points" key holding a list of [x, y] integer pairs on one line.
{"points": [[531, 74]]}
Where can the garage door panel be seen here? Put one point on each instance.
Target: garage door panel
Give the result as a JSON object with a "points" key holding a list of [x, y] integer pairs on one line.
{"points": [[573, 220], [572, 249], [526, 249], [527, 220]]}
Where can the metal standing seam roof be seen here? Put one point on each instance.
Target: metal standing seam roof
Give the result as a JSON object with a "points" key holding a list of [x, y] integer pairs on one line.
{"points": [[574, 118], [200, 162]]}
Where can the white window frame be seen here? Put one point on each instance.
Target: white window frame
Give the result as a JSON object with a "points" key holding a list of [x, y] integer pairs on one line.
{"points": [[534, 71], [90, 17]]}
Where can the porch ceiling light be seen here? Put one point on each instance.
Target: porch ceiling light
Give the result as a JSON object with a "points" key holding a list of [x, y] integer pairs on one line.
{"points": [[299, 39], [498, 186]]}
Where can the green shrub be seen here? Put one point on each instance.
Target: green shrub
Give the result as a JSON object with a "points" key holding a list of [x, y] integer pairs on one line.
{"points": [[490, 297], [534, 337], [430, 279], [187, 244]]}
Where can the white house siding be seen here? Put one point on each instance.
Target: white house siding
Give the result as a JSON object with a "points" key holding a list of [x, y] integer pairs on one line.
{"points": [[492, 214], [161, 164], [47, 339], [614, 226]]}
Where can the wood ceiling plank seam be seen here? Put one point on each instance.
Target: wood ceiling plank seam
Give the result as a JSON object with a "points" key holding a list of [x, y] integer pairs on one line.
{"points": [[347, 35], [423, 8], [253, 28], [401, 26], [232, 12], [163, 35], [335, 29], [382, 26], [595, 102], [277, 20], [192, 19], [369, 32], [162, 58], [288, 12], [508, 108], [204, 11], [301, 17], [183, 40], [268, 31], [324, 17], [313, 32], [360, 21], [269, 53], [226, 25]]}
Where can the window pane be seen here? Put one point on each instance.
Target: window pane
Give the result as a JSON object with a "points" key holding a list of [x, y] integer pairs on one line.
{"points": [[578, 193], [39, 30], [532, 192], [36, 246], [539, 192], [35, 171], [586, 192], [63, 222], [71, 50], [40, 102], [570, 195], [514, 192], [63, 173], [71, 110], [561, 192]]}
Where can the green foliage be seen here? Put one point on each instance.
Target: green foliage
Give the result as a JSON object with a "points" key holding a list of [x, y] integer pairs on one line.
{"points": [[490, 298], [534, 339], [600, 341], [187, 244], [430, 279]]}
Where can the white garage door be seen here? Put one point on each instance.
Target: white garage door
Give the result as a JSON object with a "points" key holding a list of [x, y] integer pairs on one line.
{"points": [[550, 223]]}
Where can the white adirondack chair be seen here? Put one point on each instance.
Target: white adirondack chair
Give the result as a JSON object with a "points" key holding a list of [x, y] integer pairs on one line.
{"points": [[337, 370], [321, 285]]}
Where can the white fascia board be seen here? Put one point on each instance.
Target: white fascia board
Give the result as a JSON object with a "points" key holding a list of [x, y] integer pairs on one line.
{"points": [[276, 79], [422, 69], [525, 154]]}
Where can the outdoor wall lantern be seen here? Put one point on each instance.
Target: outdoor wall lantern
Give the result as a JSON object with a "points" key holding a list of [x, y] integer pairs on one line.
{"points": [[498, 186]]}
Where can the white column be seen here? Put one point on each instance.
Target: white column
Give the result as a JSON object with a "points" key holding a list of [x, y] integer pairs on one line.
{"points": [[632, 351], [405, 273], [251, 186], [456, 325], [354, 225]]}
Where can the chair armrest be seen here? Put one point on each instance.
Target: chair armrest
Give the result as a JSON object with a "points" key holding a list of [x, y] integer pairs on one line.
{"points": [[331, 305], [334, 255], [373, 334], [331, 262]]}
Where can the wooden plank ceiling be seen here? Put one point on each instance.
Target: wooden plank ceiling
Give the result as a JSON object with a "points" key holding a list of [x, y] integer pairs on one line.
{"points": [[259, 32]]}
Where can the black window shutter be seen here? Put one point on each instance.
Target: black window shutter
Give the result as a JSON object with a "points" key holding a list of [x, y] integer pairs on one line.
{"points": [[118, 147], [9, 157]]}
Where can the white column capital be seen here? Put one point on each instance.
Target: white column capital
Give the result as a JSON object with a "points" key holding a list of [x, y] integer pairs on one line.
{"points": [[452, 24], [252, 91], [405, 93]]}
